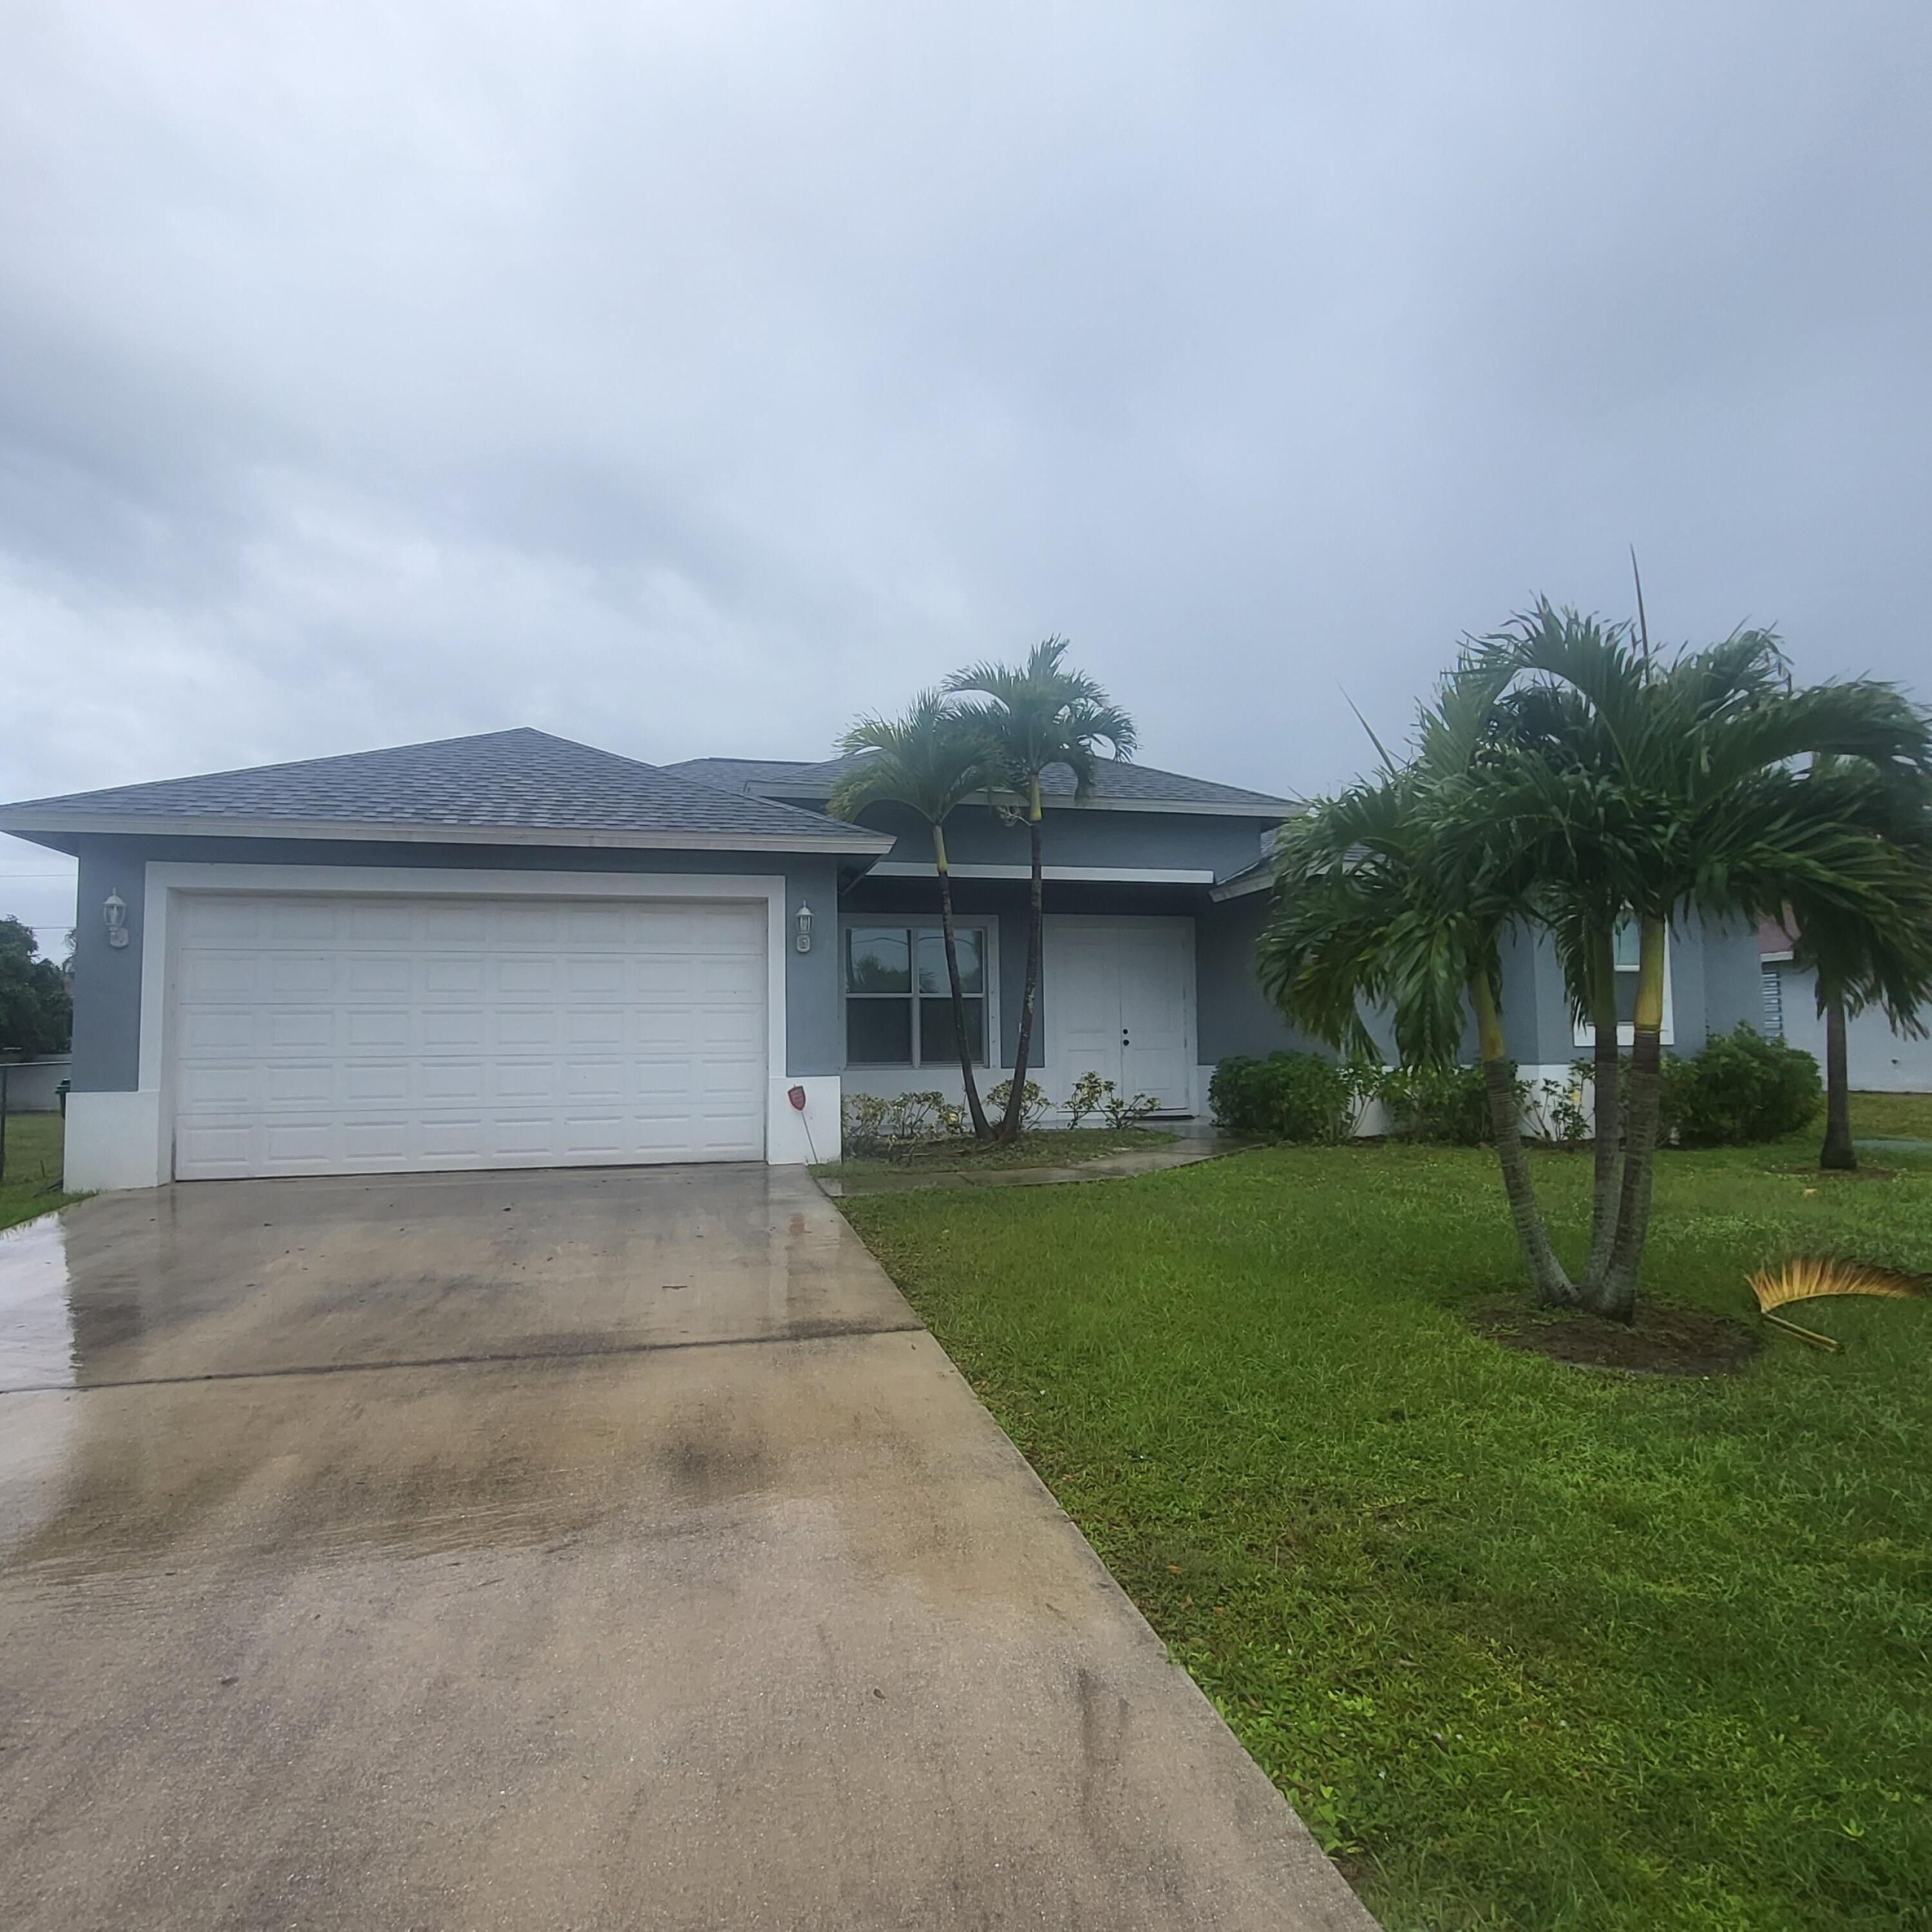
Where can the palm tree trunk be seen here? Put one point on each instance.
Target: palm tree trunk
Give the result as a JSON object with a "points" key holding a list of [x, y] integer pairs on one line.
{"points": [[1553, 1287], [1009, 1126], [1616, 1296], [1838, 1151], [981, 1131], [1607, 1073]]}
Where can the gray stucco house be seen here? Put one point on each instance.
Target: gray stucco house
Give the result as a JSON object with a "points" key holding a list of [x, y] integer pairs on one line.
{"points": [[512, 950]]}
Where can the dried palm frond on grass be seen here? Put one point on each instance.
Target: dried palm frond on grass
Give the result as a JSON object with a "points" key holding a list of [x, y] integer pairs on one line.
{"points": [[1807, 1276]]}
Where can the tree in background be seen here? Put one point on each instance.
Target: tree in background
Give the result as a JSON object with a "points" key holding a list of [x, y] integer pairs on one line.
{"points": [[36, 1014], [1856, 968], [1032, 716], [928, 761]]}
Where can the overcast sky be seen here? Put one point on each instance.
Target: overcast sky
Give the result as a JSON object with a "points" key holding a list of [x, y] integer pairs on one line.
{"points": [[685, 378]]}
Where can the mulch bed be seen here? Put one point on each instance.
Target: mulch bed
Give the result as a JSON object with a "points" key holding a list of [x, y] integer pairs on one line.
{"points": [[1662, 1341]]}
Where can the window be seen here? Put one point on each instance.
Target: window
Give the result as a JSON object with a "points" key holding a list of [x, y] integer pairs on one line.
{"points": [[899, 1000], [1624, 952]]}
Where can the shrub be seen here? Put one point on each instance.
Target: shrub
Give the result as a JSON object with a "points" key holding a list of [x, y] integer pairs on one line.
{"points": [[1740, 1088], [1448, 1104], [1294, 1096], [1563, 1120], [1123, 1112], [890, 1126], [1090, 1096], [1033, 1103]]}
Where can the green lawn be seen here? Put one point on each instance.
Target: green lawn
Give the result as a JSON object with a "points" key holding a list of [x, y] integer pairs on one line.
{"points": [[32, 1183], [1049, 1147], [1528, 1646]]}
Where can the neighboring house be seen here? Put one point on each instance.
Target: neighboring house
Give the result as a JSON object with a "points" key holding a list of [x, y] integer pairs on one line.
{"points": [[514, 951], [1877, 1060]]}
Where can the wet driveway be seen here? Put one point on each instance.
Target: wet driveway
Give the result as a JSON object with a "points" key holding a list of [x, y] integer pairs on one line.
{"points": [[601, 1548]]}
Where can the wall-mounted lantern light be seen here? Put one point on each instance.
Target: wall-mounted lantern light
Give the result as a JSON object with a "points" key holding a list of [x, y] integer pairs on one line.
{"points": [[115, 912], [804, 923]]}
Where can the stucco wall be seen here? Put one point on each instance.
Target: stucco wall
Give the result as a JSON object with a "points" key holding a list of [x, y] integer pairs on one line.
{"points": [[107, 982], [1877, 1060], [1233, 1014]]}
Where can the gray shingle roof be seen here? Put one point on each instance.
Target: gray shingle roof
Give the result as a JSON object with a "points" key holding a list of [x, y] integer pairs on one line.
{"points": [[1116, 782], [519, 781], [737, 774]]}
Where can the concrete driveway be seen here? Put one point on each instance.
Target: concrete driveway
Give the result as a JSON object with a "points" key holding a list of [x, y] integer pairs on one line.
{"points": [[585, 1550]]}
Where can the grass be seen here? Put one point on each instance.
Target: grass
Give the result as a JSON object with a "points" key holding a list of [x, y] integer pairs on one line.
{"points": [[1051, 1147], [32, 1183], [1892, 1117], [1527, 1646]]}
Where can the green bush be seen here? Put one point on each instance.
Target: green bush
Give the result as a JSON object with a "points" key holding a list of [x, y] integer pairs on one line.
{"points": [[1740, 1089], [1448, 1105], [1292, 1096]]}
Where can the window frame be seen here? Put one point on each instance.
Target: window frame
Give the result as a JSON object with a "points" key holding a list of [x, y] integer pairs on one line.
{"points": [[1585, 1033], [915, 927]]}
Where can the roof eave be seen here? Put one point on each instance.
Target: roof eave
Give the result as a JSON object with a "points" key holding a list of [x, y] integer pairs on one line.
{"points": [[43, 826], [1256, 879], [1272, 809]]}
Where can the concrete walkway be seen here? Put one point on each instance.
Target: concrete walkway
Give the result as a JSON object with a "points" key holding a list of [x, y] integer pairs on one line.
{"points": [[588, 1550], [1185, 1150]]}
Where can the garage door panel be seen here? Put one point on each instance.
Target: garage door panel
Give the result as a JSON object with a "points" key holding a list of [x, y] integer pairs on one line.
{"points": [[300, 1083], [453, 1082], [302, 922], [592, 1079], [219, 975], [344, 1035], [367, 1082], [305, 1141], [378, 976], [453, 1136], [216, 1029], [525, 1029], [298, 1029], [524, 1081], [604, 1029], [378, 1028], [374, 919], [444, 977], [215, 1085]]}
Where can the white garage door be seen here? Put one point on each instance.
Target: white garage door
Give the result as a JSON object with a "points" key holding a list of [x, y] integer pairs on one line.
{"points": [[325, 1035]]}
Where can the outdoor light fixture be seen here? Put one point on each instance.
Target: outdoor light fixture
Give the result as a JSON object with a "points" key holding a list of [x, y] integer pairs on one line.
{"points": [[804, 922], [115, 912]]}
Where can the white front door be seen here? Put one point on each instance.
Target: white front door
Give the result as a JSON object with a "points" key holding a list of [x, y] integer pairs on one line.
{"points": [[1120, 1002]]}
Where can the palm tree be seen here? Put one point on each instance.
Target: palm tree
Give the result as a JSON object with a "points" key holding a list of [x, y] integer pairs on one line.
{"points": [[929, 761], [1712, 784], [1032, 716], [1566, 781], [1854, 967], [1367, 914]]}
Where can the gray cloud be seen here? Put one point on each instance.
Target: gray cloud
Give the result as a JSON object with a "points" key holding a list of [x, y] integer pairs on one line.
{"points": [[682, 378]]}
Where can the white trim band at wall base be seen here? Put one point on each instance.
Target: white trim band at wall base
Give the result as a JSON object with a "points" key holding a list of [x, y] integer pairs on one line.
{"points": [[793, 1137], [114, 1141]]}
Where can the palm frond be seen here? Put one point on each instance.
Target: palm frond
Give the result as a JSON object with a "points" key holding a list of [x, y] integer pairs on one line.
{"points": [[1807, 1277], [929, 760]]}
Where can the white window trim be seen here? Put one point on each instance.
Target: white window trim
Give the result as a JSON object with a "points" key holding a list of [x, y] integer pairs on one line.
{"points": [[167, 878], [988, 923], [1585, 1034]]}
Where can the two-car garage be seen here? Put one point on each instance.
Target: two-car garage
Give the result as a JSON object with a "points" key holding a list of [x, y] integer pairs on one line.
{"points": [[313, 1033]]}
